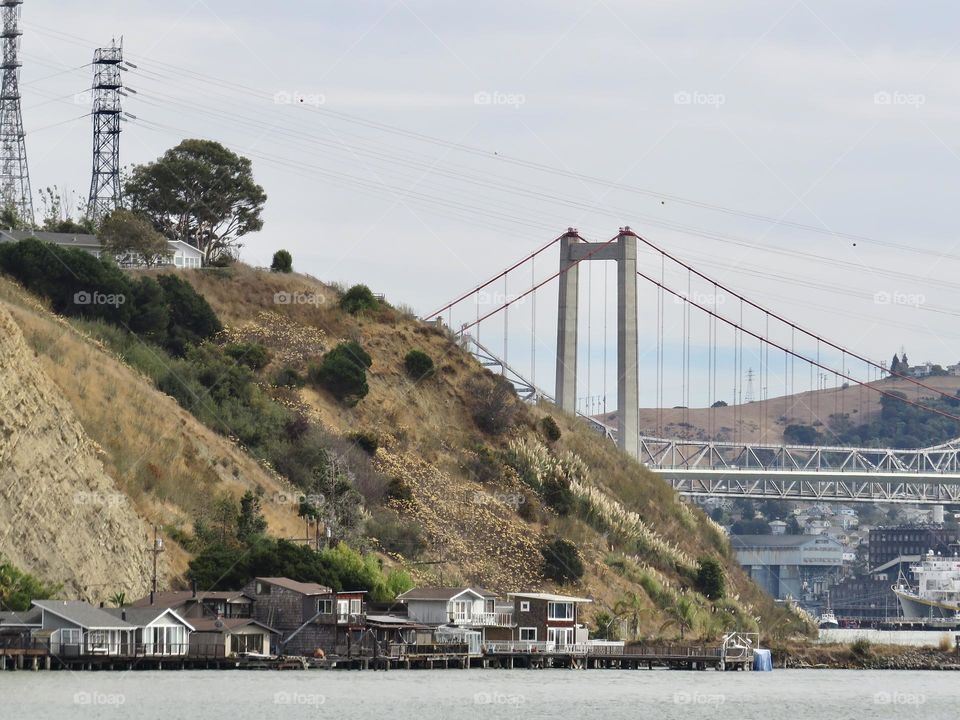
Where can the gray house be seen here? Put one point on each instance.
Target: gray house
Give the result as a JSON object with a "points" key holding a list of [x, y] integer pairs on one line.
{"points": [[158, 632], [182, 255], [75, 628]]}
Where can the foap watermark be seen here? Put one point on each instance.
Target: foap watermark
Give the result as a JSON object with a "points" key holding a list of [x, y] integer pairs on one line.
{"points": [[497, 299], [95, 297], [899, 698], [513, 500], [700, 298], [695, 97], [98, 698], [895, 97], [498, 698], [290, 498], [286, 97], [883, 297], [514, 100], [294, 698], [697, 698], [298, 298], [98, 499]]}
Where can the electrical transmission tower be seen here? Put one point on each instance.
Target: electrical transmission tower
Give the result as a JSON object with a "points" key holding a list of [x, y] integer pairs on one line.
{"points": [[749, 396], [14, 177], [107, 115]]}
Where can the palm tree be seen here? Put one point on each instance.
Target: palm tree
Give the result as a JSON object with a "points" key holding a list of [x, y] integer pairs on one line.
{"points": [[119, 599], [631, 607], [683, 615]]}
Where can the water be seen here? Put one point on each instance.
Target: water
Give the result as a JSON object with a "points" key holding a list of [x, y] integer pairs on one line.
{"points": [[477, 694]]}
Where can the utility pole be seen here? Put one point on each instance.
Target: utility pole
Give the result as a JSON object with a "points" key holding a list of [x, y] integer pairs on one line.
{"points": [[107, 114], [15, 190], [157, 549]]}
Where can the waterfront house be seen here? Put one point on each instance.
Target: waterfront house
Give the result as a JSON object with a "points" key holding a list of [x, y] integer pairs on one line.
{"points": [[158, 632], [230, 637], [310, 617], [467, 608], [544, 617], [190, 604], [75, 628], [17, 627]]}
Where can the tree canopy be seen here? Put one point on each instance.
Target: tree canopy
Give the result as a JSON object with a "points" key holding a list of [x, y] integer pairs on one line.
{"points": [[199, 192], [124, 233]]}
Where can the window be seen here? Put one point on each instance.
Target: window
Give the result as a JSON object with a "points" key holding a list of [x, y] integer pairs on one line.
{"points": [[528, 634], [263, 589], [560, 636], [70, 636], [355, 606], [248, 643], [325, 606], [560, 611], [524, 606]]}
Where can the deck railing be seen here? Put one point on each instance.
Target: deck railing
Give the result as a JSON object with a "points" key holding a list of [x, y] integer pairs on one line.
{"points": [[499, 618]]}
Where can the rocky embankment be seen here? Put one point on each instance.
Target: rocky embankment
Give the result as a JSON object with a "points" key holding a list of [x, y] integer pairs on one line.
{"points": [[62, 516], [865, 657]]}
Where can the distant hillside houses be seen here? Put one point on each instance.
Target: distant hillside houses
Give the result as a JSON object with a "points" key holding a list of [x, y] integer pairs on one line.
{"points": [[183, 255]]}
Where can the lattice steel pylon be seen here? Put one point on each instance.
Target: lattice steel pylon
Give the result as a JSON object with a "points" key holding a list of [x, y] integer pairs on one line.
{"points": [[107, 89], [15, 190]]}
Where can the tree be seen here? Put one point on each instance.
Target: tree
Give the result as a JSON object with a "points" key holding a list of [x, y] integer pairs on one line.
{"points": [[192, 320], [124, 234], [119, 599], [562, 562], [493, 403], [710, 580], [282, 262], [895, 364], [358, 299], [250, 522], [151, 313], [57, 216], [199, 192], [605, 626], [18, 589], [631, 607], [682, 615]]}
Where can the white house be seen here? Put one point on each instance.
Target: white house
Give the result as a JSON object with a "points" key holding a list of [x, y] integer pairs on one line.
{"points": [[469, 607], [159, 632], [183, 255]]}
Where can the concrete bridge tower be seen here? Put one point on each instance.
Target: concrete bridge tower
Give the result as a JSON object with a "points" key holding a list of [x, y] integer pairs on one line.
{"points": [[574, 249]]}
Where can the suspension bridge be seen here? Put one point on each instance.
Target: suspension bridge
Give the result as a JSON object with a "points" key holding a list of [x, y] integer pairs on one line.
{"points": [[715, 426]]}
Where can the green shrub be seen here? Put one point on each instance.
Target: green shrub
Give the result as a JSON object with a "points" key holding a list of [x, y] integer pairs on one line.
{"points": [[254, 355], [551, 431], [366, 440], [343, 372], [557, 495], [397, 489], [493, 403], [419, 365], [282, 262], [397, 536], [192, 320], [18, 588], [288, 377], [861, 648], [358, 299], [562, 562]]}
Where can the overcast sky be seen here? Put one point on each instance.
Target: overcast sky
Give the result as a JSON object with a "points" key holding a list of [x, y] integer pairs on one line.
{"points": [[838, 116]]}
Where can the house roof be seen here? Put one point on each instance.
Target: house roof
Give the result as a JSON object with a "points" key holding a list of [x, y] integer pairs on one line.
{"points": [[775, 541], [178, 598], [442, 593], [297, 587], [144, 616], [551, 597], [227, 624], [82, 614], [65, 239], [24, 617]]}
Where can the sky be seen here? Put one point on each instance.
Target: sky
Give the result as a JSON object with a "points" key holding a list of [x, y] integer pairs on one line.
{"points": [[803, 153]]}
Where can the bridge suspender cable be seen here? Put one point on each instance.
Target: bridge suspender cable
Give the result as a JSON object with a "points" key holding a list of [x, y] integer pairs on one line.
{"points": [[790, 324], [836, 374], [492, 280]]}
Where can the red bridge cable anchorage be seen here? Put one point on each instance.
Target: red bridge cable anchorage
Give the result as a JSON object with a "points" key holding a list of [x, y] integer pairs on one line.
{"points": [[598, 248], [731, 323], [790, 324], [496, 277]]}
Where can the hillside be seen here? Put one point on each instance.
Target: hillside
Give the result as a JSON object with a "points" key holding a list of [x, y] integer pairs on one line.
{"points": [[439, 496]]}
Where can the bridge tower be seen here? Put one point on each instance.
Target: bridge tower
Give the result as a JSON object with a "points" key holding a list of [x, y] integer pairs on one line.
{"points": [[573, 250]]}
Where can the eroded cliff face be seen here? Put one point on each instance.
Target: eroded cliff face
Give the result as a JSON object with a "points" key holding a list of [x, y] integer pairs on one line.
{"points": [[62, 517]]}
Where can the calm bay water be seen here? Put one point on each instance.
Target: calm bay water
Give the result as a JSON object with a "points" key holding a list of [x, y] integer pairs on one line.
{"points": [[455, 694]]}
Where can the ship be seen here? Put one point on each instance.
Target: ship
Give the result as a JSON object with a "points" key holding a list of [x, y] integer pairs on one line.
{"points": [[937, 594]]}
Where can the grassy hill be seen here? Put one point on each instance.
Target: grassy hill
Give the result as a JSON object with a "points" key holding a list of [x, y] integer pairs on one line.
{"points": [[446, 476]]}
